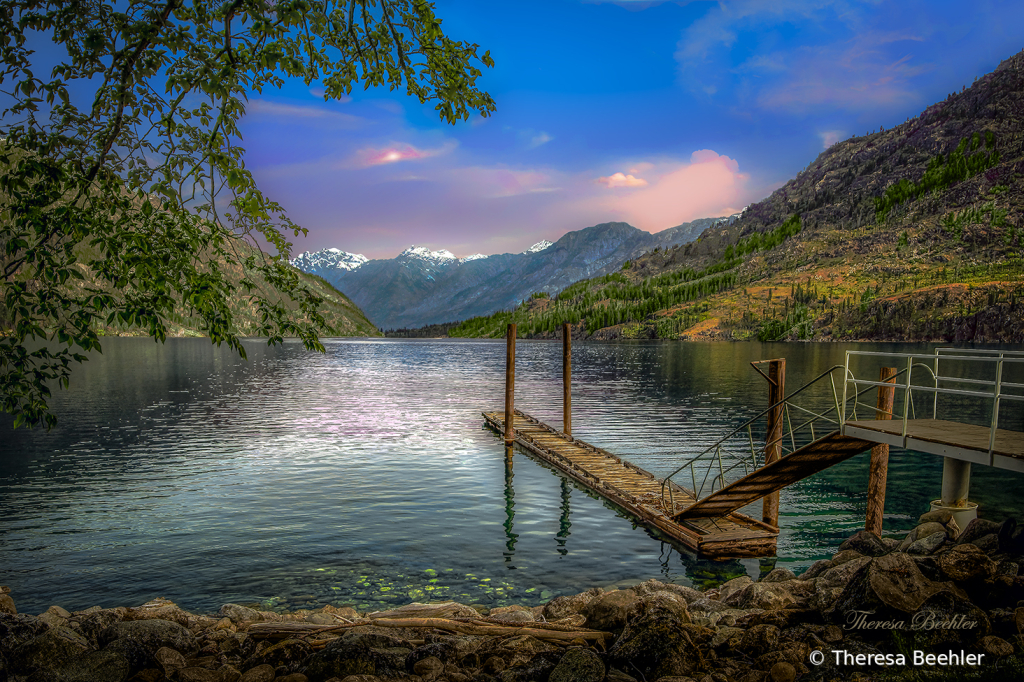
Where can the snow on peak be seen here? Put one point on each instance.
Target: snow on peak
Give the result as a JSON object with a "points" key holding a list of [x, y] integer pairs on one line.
{"points": [[423, 253], [328, 259], [539, 246], [475, 256]]}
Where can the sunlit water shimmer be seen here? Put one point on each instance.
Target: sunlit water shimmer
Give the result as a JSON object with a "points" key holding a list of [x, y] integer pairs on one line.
{"points": [[365, 476]]}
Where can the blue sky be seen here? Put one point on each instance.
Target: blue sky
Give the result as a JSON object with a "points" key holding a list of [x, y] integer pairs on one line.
{"points": [[650, 112]]}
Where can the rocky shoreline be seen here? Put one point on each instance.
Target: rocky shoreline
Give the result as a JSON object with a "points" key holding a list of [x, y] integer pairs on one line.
{"points": [[941, 604]]}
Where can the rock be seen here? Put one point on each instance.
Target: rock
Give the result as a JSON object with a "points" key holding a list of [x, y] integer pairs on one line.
{"points": [[560, 607], [619, 676], [92, 624], [240, 614], [778, 575], [668, 601], [845, 555], [928, 544], [688, 594], [759, 639], [891, 544], [987, 543], [892, 581], [942, 516], [976, 529], [517, 651], [294, 677], [17, 629], [514, 617], [288, 653], [762, 595], [416, 610], [929, 528], [448, 649], [170, 660], [358, 654], [782, 672], [139, 640], [946, 619], [656, 644], [995, 646], [55, 648], [733, 586], [7, 605], [94, 666], [579, 665], [966, 562], [832, 582], [162, 609], [539, 668], [1018, 619], [358, 678], [494, 665], [865, 542], [195, 674], [610, 610], [816, 569], [428, 668], [261, 673]]}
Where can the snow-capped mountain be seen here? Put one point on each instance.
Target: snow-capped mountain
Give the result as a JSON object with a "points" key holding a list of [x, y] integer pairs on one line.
{"points": [[539, 246], [442, 257], [326, 260]]}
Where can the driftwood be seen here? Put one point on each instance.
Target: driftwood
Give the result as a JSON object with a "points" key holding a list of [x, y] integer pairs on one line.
{"points": [[467, 626]]}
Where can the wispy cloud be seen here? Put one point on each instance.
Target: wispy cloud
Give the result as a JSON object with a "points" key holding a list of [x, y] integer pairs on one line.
{"points": [[395, 152], [262, 107], [539, 139], [830, 137], [621, 180]]}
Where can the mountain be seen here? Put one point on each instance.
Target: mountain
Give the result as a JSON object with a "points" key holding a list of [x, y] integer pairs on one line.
{"points": [[422, 287], [911, 233]]}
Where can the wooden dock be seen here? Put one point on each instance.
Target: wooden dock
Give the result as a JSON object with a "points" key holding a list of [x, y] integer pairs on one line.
{"points": [[965, 442], [638, 492]]}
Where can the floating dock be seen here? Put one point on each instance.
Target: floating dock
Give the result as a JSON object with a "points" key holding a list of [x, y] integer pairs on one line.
{"points": [[638, 492]]}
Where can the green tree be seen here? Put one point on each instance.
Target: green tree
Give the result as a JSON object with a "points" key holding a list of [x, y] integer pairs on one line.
{"points": [[143, 186]]}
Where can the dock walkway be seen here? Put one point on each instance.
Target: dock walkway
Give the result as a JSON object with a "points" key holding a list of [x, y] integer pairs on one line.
{"points": [[638, 492]]}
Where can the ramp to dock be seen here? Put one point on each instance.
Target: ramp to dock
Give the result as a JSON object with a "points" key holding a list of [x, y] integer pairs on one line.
{"points": [[796, 466], [638, 492]]}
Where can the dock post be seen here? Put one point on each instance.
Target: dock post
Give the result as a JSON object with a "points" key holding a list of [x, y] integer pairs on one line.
{"points": [[510, 381], [566, 379], [773, 447], [880, 455]]}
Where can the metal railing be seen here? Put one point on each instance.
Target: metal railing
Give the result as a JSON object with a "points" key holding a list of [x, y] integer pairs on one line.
{"points": [[706, 460], [997, 359]]}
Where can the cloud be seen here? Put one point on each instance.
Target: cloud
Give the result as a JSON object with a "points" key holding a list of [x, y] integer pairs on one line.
{"points": [[620, 180], [497, 182], [710, 184], [538, 140], [396, 152], [262, 107]]}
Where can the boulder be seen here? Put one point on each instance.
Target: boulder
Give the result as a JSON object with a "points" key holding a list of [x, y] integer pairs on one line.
{"points": [[19, 628], [727, 589], [240, 614], [578, 665], [53, 649], [139, 640], [995, 646], [816, 569], [609, 611], [831, 583], [7, 604], [759, 639], [261, 673], [94, 666], [561, 607], [865, 542], [656, 644], [359, 654], [518, 651], [891, 582], [170, 661], [769, 596], [976, 529], [966, 563], [92, 624], [651, 586], [987, 543], [449, 649], [927, 544], [538, 668], [929, 528], [778, 575], [842, 556], [942, 516], [288, 653], [428, 668]]}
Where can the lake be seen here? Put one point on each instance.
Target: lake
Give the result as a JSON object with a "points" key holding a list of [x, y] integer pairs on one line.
{"points": [[366, 476]]}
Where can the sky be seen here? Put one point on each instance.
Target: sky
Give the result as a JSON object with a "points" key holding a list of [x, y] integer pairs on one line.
{"points": [[645, 111]]}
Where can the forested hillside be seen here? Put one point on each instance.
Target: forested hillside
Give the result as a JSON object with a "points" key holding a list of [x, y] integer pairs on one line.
{"points": [[911, 233]]}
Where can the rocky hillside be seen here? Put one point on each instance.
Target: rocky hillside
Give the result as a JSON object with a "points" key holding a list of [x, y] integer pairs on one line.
{"points": [[911, 233], [422, 287]]}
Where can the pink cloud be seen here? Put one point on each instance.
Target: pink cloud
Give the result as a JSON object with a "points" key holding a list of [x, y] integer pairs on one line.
{"points": [[620, 180], [397, 152], [711, 184], [830, 137]]}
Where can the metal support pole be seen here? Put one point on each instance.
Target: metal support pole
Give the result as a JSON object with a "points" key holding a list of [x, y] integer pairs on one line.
{"points": [[566, 379], [510, 381], [773, 448], [956, 481], [880, 456]]}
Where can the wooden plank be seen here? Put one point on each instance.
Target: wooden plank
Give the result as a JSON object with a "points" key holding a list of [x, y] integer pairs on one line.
{"points": [[967, 436]]}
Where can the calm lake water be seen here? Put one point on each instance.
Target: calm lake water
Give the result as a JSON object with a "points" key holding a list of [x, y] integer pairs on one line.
{"points": [[365, 476]]}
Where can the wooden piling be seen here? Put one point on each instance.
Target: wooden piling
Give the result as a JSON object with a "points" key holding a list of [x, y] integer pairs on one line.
{"points": [[880, 455], [566, 379], [773, 448], [510, 380]]}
